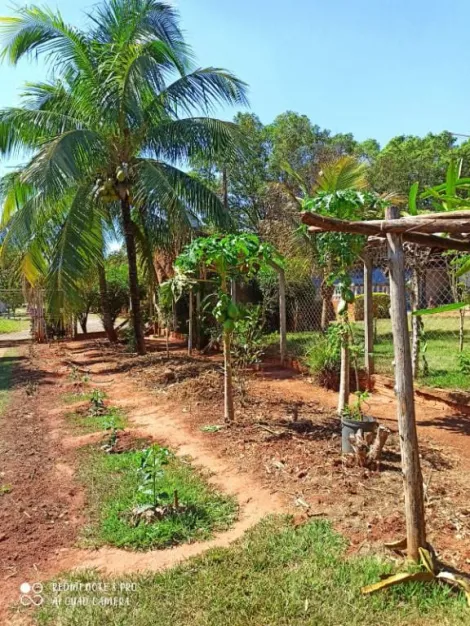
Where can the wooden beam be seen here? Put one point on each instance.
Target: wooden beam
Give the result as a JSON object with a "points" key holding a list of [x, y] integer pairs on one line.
{"points": [[411, 468], [321, 223]]}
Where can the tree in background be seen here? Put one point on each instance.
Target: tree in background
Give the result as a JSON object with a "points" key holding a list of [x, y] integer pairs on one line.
{"points": [[108, 127]]}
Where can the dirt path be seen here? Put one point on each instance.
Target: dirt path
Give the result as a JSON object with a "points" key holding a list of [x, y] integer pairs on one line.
{"points": [[153, 418], [39, 503]]}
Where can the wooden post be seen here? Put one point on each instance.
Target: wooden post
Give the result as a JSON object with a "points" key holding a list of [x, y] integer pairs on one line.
{"points": [[412, 477], [190, 324], [415, 320], [282, 316], [368, 320]]}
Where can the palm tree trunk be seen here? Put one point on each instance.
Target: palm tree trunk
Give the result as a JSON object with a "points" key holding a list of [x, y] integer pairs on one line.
{"points": [[104, 301], [133, 279]]}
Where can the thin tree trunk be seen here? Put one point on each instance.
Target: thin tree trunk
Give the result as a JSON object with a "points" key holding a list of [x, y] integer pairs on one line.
{"points": [[343, 398], [368, 321], [282, 316], [190, 324], [225, 187], [133, 278], [411, 468], [327, 310], [461, 329], [104, 301], [229, 411]]}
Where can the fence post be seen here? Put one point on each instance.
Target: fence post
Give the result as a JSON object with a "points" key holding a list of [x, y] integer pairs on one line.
{"points": [[412, 477], [191, 323], [282, 316], [368, 319]]}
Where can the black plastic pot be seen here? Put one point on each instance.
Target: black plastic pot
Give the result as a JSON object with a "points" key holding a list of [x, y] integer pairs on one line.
{"points": [[350, 427]]}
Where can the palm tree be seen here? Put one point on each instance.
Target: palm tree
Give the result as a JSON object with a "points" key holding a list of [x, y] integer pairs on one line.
{"points": [[109, 132]]}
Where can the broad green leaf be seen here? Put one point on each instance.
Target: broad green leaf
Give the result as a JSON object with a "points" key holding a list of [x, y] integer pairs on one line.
{"points": [[464, 268], [413, 209], [441, 309]]}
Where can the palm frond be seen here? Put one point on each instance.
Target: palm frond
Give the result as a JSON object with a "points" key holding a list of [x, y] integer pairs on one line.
{"points": [[180, 140], [204, 89], [68, 160], [343, 173], [168, 191], [35, 30]]}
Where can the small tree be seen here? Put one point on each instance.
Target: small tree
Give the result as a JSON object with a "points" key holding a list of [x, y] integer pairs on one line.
{"points": [[227, 258], [337, 253]]}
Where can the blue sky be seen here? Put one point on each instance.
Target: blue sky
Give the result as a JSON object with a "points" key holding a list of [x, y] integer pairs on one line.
{"points": [[377, 68]]}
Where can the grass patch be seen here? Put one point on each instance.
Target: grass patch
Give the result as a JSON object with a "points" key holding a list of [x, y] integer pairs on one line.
{"points": [[85, 423], [12, 325], [112, 484], [442, 353], [277, 575], [72, 398], [6, 368]]}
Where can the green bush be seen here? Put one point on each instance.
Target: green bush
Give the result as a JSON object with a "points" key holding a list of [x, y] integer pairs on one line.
{"points": [[380, 306]]}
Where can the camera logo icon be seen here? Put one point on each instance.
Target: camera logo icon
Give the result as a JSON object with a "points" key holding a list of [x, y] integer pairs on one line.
{"points": [[31, 594]]}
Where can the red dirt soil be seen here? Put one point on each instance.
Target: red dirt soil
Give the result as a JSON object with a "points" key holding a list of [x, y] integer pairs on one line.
{"points": [[269, 463]]}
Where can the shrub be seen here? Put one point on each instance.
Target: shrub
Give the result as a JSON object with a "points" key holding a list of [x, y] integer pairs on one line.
{"points": [[380, 306], [324, 358]]}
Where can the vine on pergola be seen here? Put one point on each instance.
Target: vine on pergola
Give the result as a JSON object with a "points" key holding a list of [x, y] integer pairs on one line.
{"points": [[227, 258]]}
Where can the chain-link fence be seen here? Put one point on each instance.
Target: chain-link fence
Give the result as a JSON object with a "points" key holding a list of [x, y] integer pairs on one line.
{"points": [[441, 341]]}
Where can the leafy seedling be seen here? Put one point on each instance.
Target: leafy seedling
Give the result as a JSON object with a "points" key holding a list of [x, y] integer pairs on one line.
{"points": [[97, 406]]}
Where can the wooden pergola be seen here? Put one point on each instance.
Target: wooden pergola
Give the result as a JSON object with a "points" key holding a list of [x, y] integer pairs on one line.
{"points": [[446, 231]]}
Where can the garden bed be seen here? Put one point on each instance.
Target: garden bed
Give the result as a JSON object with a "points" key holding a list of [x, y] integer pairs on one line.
{"points": [[302, 459], [114, 491]]}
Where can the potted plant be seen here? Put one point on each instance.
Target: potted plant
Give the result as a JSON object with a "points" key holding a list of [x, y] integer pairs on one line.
{"points": [[354, 419]]}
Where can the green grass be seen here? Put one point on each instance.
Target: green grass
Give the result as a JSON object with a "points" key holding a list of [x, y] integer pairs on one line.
{"points": [[72, 398], [112, 482], [277, 575], [12, 325], [84, 424], [6, 367], [442, 336]]}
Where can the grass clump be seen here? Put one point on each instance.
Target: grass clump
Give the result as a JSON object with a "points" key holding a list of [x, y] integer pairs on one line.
{"points": [[115, 487], [277, 575], [12, 325], [6, 368], [84, 423]]}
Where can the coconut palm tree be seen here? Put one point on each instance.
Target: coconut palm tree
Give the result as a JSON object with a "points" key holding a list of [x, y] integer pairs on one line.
{"points": [[110, 131]]}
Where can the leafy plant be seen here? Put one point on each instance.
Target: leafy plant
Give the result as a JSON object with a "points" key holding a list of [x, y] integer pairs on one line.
{"points": [[111, 428], [97, 406], [247, 348], [150, 472], [355, 412], [464, 363]]}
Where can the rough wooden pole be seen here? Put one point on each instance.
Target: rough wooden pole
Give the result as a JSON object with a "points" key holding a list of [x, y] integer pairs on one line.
{"points": [[368, 320], [412, 477], [282, 316], [190, 324], [415, 320]]}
